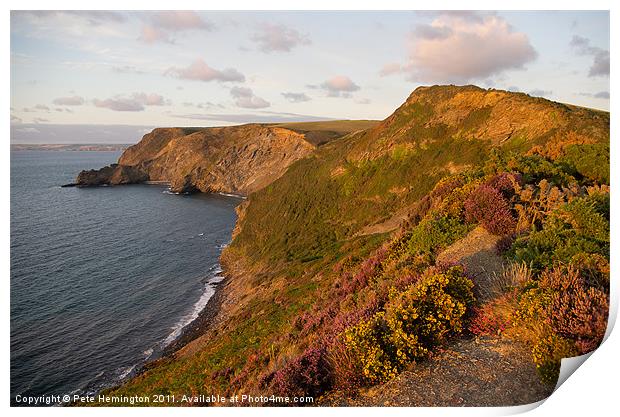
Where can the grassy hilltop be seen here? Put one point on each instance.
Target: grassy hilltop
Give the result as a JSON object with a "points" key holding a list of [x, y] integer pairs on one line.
{"points": [[365, 256]]}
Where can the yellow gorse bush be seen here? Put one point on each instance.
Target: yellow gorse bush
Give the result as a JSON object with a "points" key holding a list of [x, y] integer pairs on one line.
{"points": [[413, 322]]}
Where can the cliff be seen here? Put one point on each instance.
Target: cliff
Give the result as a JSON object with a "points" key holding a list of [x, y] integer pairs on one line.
{"points": [[237, 159], [333, 272]]}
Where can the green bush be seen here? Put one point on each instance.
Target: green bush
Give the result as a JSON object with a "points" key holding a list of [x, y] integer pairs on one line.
{"points": [[590, 161], [434, 233], [571, 231]]}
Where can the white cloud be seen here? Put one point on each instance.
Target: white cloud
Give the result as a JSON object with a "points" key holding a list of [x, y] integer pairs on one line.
{"points": [[180, 20], [69, 101], [458, 47], [340, 86], [296, 97], [135, 102], [160, 26], [244, 97], [390, 68], [200, 71], [273, 37], [540, 93], [151, 34]]}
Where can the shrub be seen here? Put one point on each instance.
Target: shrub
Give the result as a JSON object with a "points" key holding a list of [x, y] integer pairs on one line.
{"points": [[452, 205], [536, 167], [366, 272], [594, 268], [573, 229], [512, 276], [548, 353], [588, 160], [565, 316], [487, 206], [434, 233], [489, 320], [308, 374], [414, 321], [506, 183], [346, 367], [577, 312], [370, 349]]}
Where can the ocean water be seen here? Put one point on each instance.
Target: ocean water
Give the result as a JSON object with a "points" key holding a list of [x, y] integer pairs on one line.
{"points": [[102, 278]]}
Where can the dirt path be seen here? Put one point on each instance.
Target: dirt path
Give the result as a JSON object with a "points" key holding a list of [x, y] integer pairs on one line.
{"points": [[477, 252], [473, 372]]}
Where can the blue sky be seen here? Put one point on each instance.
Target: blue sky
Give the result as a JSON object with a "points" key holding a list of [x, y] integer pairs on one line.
{"points": [[218, 68]]}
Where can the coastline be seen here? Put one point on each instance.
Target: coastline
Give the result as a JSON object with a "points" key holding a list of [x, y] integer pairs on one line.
{"points": [[206, 319]]}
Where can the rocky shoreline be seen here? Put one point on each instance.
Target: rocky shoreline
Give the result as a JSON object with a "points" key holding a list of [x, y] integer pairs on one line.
{"points": [[206, 320]]}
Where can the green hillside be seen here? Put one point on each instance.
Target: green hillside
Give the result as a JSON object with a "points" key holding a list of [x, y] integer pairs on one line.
{"points": [[335, 283]]}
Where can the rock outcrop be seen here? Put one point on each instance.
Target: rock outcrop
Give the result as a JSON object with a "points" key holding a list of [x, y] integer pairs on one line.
{"points": [[114, 174], [237, 159]]}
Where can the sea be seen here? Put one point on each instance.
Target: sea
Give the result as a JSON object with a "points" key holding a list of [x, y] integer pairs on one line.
{"points": [[104, 278]]}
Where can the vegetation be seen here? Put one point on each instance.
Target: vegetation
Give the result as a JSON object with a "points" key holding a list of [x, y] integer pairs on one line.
{"points": [[321, 305]]}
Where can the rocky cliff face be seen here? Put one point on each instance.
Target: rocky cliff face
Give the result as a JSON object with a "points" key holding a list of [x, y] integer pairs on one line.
{"points": [[114, 174], [238, 159]]}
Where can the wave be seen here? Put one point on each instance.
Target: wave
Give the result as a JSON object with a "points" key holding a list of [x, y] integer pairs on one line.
{"points": [[232, 195], [125, 372], [170, 192], [208, 291]]}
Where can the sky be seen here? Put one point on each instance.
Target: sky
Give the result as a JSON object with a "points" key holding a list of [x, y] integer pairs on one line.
{"points": [[126, 72]]}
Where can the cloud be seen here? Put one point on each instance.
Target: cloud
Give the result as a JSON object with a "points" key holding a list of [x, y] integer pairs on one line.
{"points": [[458, 47], [69, 101], [135, 102], [127, 69], [389, 69], [601, 94], [244, 97], [278, 38], [339, 86], [40, 120], [176, 21], [15, 119], [92, 16], [151, 34], [160, 25], [206, 105], [296, 97], [540, 93], [600, 64], [36, 108], [261, 117], [200, 71], [363, 101]]}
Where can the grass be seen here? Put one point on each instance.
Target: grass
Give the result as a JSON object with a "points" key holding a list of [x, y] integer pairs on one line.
{"points": [[303, 227]]}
